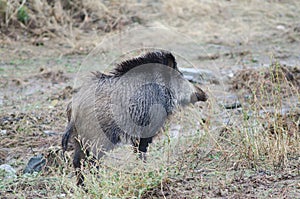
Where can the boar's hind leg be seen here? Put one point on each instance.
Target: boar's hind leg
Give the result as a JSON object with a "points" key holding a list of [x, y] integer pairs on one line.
{"points": [[79, 157], [143, 146]]}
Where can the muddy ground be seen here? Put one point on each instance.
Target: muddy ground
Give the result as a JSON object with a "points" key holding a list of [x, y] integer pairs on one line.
{"points": [[38, 75]]}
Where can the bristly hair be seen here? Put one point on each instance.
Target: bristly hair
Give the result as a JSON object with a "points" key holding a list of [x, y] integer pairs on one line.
{"points": [[157, 57]]}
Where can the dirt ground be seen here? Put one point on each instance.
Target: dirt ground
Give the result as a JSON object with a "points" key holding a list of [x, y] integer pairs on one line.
{"points": [[40, 66]]}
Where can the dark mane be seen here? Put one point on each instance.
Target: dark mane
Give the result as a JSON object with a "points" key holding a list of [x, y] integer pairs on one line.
{"points": [[156, 57]]}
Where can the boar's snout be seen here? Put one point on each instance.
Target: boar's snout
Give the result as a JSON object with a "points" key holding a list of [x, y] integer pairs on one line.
{"points": [[199, 95]]}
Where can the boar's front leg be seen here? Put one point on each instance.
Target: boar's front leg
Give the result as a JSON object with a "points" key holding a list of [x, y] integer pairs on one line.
{"points": [[140, 146], [143, 146]]}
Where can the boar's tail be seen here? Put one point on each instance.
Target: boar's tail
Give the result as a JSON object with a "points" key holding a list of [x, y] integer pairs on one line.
{"points": [[66, 136], [69, 130]]}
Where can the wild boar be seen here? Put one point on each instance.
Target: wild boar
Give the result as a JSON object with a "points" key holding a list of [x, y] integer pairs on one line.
{"points": [[130, 104]]}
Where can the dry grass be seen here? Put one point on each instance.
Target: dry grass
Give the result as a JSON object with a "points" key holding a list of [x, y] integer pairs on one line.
{"points": [[253, 154], [257, 151], [67, 20], [270, 127], [270, 85], [226, 22]]}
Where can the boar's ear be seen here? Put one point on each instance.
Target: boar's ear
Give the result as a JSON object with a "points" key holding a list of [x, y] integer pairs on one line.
{"points": [[161, 57], [171, 60], [99, 75]]}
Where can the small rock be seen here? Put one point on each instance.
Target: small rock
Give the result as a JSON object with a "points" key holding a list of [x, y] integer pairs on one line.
{"points": [[223, 192], [234, 105], [35, 164], [174, 131], [200, 76], [280, 27], [61, 195], [54, 102], [3, 132], [231, 74], [230, 102], [8, 170], [50, 133]]}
